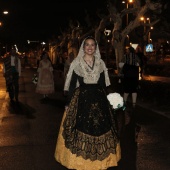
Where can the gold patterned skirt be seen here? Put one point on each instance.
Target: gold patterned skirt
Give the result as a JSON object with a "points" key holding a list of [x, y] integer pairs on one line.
{"points": [[83, 146]]}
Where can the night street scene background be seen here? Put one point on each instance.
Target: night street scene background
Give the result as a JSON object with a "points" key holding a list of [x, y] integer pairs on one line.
{"points": [[29, 129]]}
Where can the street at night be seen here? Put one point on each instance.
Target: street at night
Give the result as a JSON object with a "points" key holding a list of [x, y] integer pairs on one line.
{"points": [[60, 61]]}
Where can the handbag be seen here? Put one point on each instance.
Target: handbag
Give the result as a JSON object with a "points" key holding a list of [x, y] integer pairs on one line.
{"points": [[35, 79]]}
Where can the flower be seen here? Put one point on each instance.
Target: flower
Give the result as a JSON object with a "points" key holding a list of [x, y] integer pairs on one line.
{"points": [[116, 100]]}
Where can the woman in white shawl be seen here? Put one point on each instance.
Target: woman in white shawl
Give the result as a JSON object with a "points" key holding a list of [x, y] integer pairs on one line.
{"points": [[88, 137]]}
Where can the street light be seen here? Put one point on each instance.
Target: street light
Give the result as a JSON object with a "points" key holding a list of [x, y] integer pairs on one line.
{"points": [[127, 7], [4, 13], [147, 33], [144, 37], [144, 21], [127, 36], [107, 34], [32, 41]]}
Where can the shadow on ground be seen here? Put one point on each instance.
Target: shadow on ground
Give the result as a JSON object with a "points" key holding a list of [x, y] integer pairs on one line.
{"points": [[53, 102], [21, 109]]}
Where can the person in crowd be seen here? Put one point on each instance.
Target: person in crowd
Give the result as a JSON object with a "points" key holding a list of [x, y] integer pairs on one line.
{"points": [[45, 84], [88, 137], [142, 58], [60, 62], [67, 63], [131, 75], [38, 61], [12, 72], [25, 60]]}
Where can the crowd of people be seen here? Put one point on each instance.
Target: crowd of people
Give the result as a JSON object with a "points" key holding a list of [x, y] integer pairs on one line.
{"points": [[88, 138]]}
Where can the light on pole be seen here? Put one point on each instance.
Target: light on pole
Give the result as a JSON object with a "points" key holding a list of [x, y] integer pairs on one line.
{"points": [[28, 41], [5, 12], [149, 34], [144, 21], [107, 34], [127, 40], [127, 7]]}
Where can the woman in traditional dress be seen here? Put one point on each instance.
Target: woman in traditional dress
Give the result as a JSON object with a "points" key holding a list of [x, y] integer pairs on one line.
{"points": [[88, 137], [45, 84]]}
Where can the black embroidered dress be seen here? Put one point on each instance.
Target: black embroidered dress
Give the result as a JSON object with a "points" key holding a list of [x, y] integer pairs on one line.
{"points": [[88, 137]]}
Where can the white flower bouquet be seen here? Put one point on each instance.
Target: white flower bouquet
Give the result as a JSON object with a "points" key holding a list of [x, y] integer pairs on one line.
{"points": [[116, 100]]}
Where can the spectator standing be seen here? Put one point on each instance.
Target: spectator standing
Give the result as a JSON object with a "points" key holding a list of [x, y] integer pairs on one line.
{"points": [[25, 60], [67, 63], [142, 58]]}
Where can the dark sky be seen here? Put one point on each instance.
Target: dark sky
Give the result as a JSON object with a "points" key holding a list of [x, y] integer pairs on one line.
{"points": [[39, 20], [35, 19]]}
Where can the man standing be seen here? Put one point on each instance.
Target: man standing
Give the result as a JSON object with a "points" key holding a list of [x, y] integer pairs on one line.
{"points": [[12, 72]]}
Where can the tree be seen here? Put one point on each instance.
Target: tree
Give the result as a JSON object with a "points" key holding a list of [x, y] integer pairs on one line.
{"points": [[114, 18], [118, 33]]}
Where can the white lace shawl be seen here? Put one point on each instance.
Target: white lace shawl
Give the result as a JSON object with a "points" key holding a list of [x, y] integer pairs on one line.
{"points": [[90, 76]]}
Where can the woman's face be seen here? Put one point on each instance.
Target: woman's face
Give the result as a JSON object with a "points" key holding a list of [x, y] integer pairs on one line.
{"points": [[89, 46]]}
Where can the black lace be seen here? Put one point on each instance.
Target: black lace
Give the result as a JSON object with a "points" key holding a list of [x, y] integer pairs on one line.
{"points": [[89, 127]]}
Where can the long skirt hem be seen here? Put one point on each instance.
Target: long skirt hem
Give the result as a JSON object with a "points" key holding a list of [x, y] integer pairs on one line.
{"points": [[71, 161]]}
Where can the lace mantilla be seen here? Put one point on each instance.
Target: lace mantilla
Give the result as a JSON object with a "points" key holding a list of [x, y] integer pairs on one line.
{"points": [[91, 76]]}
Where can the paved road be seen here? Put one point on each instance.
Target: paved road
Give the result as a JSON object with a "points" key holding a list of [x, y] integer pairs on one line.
{"points": [[29, 132]]}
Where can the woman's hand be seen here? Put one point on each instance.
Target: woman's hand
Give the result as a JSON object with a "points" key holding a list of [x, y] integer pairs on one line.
{"points": [[66, 108]]}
